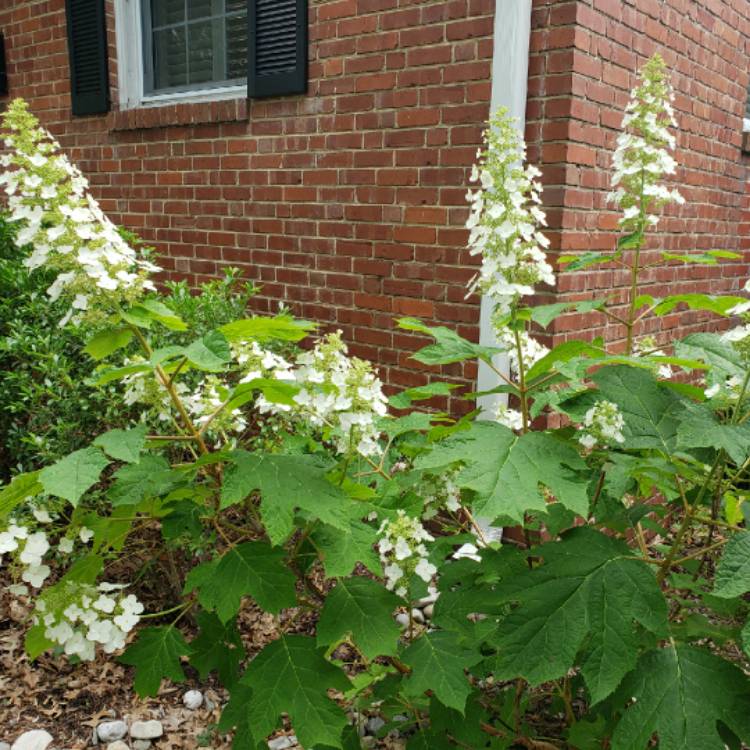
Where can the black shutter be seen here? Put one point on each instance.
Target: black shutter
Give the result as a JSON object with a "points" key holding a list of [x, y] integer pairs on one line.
{"points": [[276, 47], [3, 68], [87, 50]]}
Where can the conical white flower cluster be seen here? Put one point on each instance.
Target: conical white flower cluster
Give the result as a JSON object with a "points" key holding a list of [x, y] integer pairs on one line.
{"points": [[505, 219], [602, 425], [403, 552], [49, 196], [642, 157]]}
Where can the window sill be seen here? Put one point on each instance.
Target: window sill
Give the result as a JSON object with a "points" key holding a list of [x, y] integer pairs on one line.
{"points": [[161, 113]]}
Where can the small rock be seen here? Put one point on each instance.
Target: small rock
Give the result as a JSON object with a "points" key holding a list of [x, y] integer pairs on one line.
{"points": [[374, 725], [428, 610], [118, 745], [146, 730], [109, 731], [368, 741], [36, 739], [141, 744], [402, 619], [282, 743], [193, 699], [210, 704], [417, 615], [425, 600], [4, 746]]}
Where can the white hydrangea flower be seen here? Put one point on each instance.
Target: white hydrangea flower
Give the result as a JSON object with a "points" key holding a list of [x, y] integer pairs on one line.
{"points": [[602, 425], [531, 350], [403, 552], [440, 491], [642, 157], [505, 219], [69, 232], [91, 619], [511, 418], [342, 393]]}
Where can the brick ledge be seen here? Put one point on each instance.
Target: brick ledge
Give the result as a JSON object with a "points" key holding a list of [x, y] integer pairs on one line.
{"points": [[195, 113]]}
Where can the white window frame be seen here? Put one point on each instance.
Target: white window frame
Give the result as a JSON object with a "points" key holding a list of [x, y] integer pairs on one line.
{"points": [[129, 40]]}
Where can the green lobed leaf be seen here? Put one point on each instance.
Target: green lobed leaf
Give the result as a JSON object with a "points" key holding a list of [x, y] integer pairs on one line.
{"points": [[543, 315], [109, 375], [73, 475], [363, 609], [710, 348], [709, 258], [254, 569], [276, 391], [209, 353], [153, 309], [586, 260], [123, 445], [699, 428], [733, 572], [217, 648], [448, 348], [717, 305], [156, 655], [438, 663], [286, 482], [505, 470], [746, 639], [585, 597], [650, 411], [341, 552], [404, 399], [292, 676], [20, 489], [107, 342], [681, 693], [150, 477], [280, 328]]}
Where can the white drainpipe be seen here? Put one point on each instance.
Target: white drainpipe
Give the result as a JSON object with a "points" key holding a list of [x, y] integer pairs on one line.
{"points": [[510, 68]]}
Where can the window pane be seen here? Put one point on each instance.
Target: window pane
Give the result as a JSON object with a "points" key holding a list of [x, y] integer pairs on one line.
{"points": [[200, 9], [236, 46], [170, 59], [165, 12], [201, 51]]}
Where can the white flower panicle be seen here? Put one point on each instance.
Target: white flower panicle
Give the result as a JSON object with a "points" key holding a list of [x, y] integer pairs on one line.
{"points": [[642, 157], [505, 219], [256, 362], [440, 492], [342, 393], [79, 617], [531, 350], [206, 408], [28, 549], [96, 269], [403, 552], [602, 425]]}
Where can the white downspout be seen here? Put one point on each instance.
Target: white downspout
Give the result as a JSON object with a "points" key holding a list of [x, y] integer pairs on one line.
{"points": [[510, 69]]}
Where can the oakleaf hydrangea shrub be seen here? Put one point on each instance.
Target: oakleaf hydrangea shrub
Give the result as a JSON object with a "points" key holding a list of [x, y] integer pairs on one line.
{"points": [[620, 621]]}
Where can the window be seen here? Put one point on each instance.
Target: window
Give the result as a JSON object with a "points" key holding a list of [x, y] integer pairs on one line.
{"points": [[193, 44], [181, 51]]}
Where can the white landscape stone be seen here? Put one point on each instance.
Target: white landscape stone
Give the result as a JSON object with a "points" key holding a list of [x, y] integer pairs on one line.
{"points": [[141, 744], [282, 743], [193, 699], [146, 730], [36, 739], [4, 746], [118, 745], [109, 731]]}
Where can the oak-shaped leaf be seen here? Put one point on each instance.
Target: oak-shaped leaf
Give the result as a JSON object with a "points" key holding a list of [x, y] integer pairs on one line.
{"points": [[363, 609], [123, 445], [286, 483], [292, 676], [341, 552], [585, 598], [507, 471], [252, 569], [218, 648], [156, 655], [439, 662], [73, 475], [733, 572], [681, 693]]}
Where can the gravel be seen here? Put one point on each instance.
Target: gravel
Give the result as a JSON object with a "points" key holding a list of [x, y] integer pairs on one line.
{"points": [[146, 730]]}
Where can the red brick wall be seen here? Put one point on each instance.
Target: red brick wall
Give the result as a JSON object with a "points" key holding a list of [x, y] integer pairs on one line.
{"points": [[348, 203], [584, 54]]}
